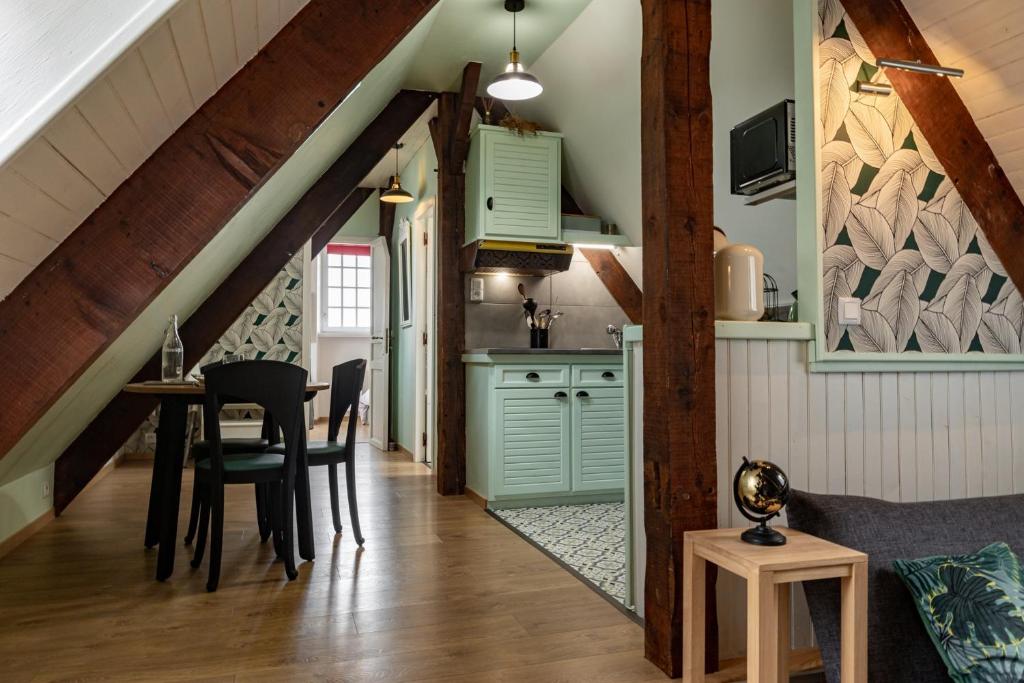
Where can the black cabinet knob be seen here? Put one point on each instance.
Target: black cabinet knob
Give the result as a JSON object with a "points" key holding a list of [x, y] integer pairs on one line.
{"points": [[608, 374], [532, 376], [582, 394], [561, 394]]}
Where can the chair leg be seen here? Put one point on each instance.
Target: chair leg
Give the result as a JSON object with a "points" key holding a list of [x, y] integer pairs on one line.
{"points": [[204, 524], [288, 526], [262, 517], [350, 486], [216, 534], [274, 515], [332, 478], [193, 515]]}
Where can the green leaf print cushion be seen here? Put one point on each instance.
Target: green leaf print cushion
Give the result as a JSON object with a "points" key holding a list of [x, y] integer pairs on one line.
{"points": [[973, 609]]}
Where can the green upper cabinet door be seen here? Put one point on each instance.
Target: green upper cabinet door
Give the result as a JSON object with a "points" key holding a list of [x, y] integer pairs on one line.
{"points": [[599, 441], [532, 441], [514, 186]]}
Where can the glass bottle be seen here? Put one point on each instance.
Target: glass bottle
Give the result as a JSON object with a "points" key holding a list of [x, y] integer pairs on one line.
{"points": [[173, 356]]}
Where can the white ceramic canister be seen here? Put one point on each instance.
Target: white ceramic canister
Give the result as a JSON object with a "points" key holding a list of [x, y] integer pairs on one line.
{"points": [[739, 283]]}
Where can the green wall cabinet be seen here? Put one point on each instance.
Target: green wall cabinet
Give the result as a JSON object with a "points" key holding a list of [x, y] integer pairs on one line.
{"points": [[514, 186], [540, 432]]}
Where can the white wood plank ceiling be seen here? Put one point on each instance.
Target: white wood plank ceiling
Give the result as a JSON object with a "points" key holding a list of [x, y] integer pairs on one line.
{"points": [[986, 39], [60, 176]]}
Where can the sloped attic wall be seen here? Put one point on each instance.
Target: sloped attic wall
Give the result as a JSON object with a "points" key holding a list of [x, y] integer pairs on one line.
{"points": [[78, 406], [896, 233]]}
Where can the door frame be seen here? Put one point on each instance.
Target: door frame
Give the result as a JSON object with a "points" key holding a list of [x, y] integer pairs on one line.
{"points": [[425, 323]]}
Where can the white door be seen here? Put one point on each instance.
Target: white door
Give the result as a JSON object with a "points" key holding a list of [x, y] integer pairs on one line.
{"points": [[380, 346], [423, 314]]}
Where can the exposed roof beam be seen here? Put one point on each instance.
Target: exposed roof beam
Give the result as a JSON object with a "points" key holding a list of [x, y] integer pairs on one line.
{"points": [[949, 128], [337, 220], [323, 205], [617, 281], [93, 286]]}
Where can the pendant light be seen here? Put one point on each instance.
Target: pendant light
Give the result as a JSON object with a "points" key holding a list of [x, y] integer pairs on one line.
{"points": [[515, 83], [395, 194]]}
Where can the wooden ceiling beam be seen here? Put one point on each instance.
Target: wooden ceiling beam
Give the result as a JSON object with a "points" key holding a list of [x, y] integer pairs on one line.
{"points": [[467, 99], [680, 482], [949, 128], [320, 212], [337, 220], [617, 281], [61, 317]]}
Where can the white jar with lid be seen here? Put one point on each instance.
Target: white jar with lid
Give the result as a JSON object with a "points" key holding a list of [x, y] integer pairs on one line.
{"points": [[739, 283]]}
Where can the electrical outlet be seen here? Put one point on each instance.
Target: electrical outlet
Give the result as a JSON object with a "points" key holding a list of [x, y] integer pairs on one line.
{"points": [[151, 439], [47, 490], [476, 289]]}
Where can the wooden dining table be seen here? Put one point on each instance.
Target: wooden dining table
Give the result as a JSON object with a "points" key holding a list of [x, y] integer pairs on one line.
{"points": [[165, 487]]}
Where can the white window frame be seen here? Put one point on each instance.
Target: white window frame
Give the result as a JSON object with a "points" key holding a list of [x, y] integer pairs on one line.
{"points": [[322, 293]]}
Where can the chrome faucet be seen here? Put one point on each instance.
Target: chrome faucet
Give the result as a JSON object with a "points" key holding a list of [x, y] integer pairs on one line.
{"points": [[616, 335]]}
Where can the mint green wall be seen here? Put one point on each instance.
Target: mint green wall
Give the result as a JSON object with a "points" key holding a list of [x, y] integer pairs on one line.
{"points": [[22, 501], [364, 223], [419, 178]]}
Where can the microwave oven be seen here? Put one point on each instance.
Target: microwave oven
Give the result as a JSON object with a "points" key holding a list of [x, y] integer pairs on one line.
{"points": [[762, 150]]}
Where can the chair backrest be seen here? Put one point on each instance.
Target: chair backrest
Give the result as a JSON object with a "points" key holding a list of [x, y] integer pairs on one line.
{"points": [[346, 385], [278, 388]]}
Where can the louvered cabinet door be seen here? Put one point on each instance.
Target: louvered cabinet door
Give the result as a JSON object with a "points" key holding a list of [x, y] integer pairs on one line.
{"points": [[522, 198], [533, 441], [599, 439]]}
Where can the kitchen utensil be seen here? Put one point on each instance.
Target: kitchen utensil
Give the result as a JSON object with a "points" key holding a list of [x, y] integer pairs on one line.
{"points": [[522, 291], [553, 317], [530, 306]]}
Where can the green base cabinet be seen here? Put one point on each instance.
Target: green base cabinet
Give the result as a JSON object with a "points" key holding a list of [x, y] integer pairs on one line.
{"points": [[513, 186], [557, 442]]}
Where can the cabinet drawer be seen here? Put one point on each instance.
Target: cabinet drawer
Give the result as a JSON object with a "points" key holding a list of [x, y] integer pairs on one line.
{"points": [[524, 376], [597, 375]]}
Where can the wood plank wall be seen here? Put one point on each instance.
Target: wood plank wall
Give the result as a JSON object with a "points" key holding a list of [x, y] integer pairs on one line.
{"points": [[62, 175], [898, 436]]}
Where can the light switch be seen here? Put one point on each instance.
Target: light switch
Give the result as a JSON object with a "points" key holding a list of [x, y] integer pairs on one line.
{"points": [[476, 289], [849, 310]]}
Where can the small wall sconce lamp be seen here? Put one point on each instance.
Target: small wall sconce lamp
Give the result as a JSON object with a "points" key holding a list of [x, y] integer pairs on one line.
{"points": [[885, 89]]}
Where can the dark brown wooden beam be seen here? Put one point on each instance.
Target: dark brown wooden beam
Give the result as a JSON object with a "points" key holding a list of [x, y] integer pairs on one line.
{"points": [[459, 143], [445, 131], [948, 127], [321, 205], [617, 281], [680, 482], [85, 294], [337, 220]]}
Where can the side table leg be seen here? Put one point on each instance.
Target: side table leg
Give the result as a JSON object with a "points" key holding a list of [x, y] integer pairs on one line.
{"points": [[782, 592], [763, 629], [694, 587], [854, 656]]}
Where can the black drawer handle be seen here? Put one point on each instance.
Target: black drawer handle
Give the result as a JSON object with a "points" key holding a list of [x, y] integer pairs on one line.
{"points": [[561, 394], [582, 394], [490, 203], [532, 376], [608, 375]]}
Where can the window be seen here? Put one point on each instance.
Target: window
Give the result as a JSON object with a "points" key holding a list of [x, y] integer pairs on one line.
{"points": [[345, 289]]}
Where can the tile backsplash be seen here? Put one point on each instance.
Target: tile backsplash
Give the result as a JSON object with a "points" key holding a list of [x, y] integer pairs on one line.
{"points": [[586, 305]]}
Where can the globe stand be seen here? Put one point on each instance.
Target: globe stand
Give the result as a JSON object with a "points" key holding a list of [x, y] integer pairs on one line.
{"points": [[762, 534]]}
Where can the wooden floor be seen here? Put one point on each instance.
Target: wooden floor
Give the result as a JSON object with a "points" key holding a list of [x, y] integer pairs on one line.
{"points": [[442, 592]]}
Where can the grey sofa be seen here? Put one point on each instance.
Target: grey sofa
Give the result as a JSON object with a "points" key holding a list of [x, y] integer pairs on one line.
{"points": [[899, 649]]}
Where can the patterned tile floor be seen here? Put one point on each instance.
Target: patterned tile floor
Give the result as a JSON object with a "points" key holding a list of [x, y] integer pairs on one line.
{"points": [[589, 538]]}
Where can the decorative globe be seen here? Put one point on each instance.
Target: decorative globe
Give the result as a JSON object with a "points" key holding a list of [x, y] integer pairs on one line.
{"points": [[761, 490]]}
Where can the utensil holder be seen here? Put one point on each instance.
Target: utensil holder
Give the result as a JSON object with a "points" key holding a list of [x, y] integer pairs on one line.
{"points": [[538, 338]]}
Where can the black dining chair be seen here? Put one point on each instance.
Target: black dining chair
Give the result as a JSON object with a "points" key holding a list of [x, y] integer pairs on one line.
{"points": [[231, 447], [279, 388], [346, 384]]}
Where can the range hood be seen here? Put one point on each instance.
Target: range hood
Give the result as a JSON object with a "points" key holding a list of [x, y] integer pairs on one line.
{"points": [[517, 258]]}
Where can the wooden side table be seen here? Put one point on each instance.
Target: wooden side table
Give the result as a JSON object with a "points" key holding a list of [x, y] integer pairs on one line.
{"points": [[769, 571]]}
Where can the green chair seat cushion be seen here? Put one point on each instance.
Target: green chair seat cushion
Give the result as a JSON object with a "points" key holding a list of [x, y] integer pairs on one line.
{"points": [[315, 448], [972, 607], [248, 462], [238, 445]]}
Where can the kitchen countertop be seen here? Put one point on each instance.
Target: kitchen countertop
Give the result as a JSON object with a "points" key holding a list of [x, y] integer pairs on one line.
{"points": [[543, 352]]}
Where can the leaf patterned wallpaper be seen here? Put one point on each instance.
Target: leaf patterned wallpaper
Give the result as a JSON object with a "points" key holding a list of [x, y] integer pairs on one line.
{"points": [[271, 328], [896, 232]]}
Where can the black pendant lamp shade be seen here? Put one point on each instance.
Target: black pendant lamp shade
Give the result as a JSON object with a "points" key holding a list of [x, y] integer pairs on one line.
{"points": [[395, 194], [515, 83]]}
